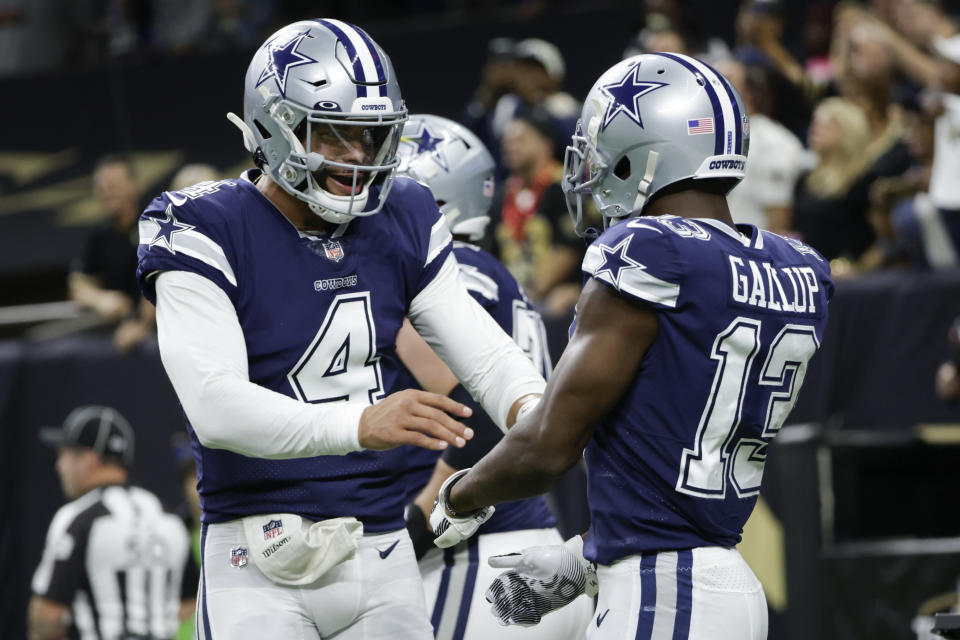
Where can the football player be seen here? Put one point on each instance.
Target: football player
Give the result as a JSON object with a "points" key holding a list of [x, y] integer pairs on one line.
{"points": [[690, 345], [459, 170], [279, 297]]}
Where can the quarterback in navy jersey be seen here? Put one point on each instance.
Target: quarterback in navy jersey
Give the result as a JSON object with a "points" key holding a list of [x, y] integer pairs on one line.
{"points": [[279, 298], [458, 169], [690, 345]]}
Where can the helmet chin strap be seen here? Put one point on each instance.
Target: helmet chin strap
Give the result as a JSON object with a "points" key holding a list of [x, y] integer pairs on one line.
{"points": [[644, 187]]}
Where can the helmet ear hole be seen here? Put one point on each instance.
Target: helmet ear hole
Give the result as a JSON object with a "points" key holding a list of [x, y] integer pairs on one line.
{"points": [[622, 170]]}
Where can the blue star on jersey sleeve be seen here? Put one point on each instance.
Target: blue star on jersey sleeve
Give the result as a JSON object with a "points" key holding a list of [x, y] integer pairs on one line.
{"points": [[166, 227], [639, 261], [183, 231]]}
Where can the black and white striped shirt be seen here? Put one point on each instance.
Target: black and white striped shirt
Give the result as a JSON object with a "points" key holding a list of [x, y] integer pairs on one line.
{"points": [[119, 562]]}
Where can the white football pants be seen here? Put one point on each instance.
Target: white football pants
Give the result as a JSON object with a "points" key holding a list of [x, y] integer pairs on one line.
{"points": [[455, 579], [376, 595], [707, 593]]}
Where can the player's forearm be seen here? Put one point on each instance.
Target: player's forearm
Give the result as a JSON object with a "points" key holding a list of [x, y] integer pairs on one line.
{"points": [[204, 354], [487, 361], [520, 466], [243, 417], [597, 366]]}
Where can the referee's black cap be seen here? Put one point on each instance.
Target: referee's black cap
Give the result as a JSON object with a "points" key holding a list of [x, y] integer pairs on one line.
{"points": [[100, 428]]}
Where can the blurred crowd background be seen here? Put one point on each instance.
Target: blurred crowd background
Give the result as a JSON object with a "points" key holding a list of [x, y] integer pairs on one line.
{"points": [[853, 114], [855, 149]]}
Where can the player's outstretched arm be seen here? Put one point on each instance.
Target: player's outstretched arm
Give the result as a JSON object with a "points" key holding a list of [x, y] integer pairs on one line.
{"points": [[487, 361], [611, 338], [203, 350]]}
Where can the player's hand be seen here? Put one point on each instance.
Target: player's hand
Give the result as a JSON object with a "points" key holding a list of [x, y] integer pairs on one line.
{"points": [[539, 580], [414, 417], [449, 526]]}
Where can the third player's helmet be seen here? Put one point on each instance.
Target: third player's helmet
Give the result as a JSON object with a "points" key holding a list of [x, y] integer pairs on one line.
{"points": [[451, 160], [651, 121], [324, 84]]}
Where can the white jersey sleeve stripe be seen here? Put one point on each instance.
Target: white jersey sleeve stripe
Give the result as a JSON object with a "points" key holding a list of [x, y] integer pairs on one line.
{"points": [[191, 243], [440, 237], [633, 279]]}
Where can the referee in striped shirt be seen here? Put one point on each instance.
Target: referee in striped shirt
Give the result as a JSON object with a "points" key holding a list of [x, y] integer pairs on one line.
{"points": [[115, 565]]}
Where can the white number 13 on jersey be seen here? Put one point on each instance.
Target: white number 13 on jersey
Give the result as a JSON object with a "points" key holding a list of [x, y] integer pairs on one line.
{"points": [[715, 459], [341, 362]]}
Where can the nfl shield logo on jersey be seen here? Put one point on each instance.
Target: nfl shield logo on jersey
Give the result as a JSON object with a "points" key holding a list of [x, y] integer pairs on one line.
{"points": [[333, 251], [238, 557], [272, 529]]}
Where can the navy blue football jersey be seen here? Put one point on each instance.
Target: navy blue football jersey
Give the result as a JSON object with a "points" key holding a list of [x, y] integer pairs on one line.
{"points": [[499, 293], [678, 463], [320, 318]]}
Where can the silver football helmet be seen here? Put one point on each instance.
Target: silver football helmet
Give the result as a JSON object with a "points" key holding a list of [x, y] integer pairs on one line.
{"points": [[322, 113], [451, 160], [648, 122]]}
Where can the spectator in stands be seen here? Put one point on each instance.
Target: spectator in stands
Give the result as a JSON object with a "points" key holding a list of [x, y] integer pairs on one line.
{"points": [[535, 237], [533, 76], [104, 279], [908, 229], [939, 220], [112, 546], [865, 76], [760, 29], [830, 206], [482, 115], [538, 77], [765, 196]]}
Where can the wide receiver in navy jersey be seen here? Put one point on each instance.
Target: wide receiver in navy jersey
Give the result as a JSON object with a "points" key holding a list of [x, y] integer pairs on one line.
{"points": [[279, 297], [458, 169], [691, 342]]}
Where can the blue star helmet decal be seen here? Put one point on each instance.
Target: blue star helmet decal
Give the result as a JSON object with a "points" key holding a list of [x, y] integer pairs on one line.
{"points": [[281, 58], [426, 141], [625, 96], [616, 260], [167, 226]]}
